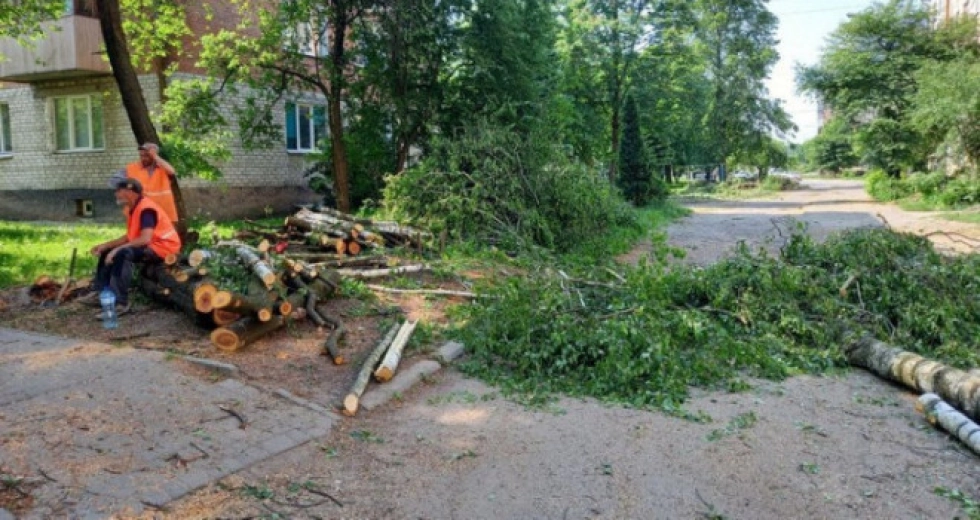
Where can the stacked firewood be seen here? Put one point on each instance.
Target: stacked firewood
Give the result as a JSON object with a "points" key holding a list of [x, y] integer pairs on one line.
{"points": [[249, 286]]}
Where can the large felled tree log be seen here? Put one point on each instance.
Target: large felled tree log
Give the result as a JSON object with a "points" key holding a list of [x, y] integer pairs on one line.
{"points": [[179, 299], [390, 362], [244, 331], [249, 305], [951, 420], [353, 399], [960, 388]]}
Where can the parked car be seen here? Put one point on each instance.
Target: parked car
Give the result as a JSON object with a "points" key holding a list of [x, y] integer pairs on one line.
{"points": [[743, 175]]}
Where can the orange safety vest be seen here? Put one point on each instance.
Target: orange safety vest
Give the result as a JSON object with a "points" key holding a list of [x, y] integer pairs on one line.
{"points": [[156, 187], [165, 240]]}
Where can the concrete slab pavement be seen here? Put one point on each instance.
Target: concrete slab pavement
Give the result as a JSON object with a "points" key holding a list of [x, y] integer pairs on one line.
{"points": [[114, 430]]}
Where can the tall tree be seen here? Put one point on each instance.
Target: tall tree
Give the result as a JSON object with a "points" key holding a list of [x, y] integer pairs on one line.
{"points": [[634, 177], [736, 39], [130, 91], [867, 75]]}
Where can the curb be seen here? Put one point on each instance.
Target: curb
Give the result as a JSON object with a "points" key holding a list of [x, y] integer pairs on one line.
{"points": [[405, 379], [226, 369]]}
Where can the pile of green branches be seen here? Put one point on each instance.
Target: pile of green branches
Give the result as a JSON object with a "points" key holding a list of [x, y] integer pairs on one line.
{"points": [[645, 337]]}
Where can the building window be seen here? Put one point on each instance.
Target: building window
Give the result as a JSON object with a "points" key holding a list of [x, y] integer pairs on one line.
{"points": [[306, 125], [6, 145], [78, 123]]}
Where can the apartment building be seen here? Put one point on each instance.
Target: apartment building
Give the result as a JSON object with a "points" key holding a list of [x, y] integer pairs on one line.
{"points": [[63, 129], [946, 10]]}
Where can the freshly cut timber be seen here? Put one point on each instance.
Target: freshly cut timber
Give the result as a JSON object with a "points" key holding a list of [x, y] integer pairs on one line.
{"points": [[244, 331], [180, 299], [938, 411], [204, 292], [224, 317], [260, 268], [353, 399], [250, 305], [959, 388], [198, 257], [388, 366]]}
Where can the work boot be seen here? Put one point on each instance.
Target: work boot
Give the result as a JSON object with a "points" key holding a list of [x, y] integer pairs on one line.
{"points": [[121, 310], [91, 299]]}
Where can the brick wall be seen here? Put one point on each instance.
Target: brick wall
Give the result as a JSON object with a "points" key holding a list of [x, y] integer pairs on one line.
{"points": [[37, 182]]}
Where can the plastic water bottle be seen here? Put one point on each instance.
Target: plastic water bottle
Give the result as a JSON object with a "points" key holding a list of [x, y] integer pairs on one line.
{"points": [[110, 319]]}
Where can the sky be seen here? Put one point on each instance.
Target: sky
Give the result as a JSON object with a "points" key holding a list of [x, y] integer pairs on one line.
{"points": [[803, 28]]}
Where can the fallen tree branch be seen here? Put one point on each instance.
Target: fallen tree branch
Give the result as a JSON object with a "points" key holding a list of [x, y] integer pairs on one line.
{"points": [[380, 273], [438, 292]]}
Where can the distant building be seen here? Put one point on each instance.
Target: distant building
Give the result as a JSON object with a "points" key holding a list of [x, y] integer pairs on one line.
{"points": [[63, 128], [946, 10], [824, 114]]}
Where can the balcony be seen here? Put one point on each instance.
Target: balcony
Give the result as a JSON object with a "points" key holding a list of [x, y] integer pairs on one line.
{"points": [[70, 48]]}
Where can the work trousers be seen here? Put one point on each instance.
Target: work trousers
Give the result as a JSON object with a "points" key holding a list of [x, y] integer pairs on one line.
{"points": [[119, 274]]}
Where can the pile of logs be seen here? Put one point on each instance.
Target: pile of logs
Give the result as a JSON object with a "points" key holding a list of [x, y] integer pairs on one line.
{"points": [[249, 286]]}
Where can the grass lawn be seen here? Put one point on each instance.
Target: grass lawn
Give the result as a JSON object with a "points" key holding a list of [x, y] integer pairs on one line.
{"points": [[28, 250]]}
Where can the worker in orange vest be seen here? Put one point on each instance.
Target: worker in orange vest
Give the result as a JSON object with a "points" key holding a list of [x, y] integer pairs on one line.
{"points": [[154, 174], [150, 237]]}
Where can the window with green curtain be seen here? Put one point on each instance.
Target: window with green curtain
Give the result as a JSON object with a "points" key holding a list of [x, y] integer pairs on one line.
{"points": [[305, 127]]}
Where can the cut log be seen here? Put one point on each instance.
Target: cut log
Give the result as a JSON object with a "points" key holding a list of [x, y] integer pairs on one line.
{"points": [[221, 299], [180, 299], [245, 305], [352, 247], [244, 331], [263, 246], [260, 268], [353, 398], [386, 370], [224, 317], [938, 411], [361, 261], [170, 259], [198, 257], [957, 387], [204, 292]]}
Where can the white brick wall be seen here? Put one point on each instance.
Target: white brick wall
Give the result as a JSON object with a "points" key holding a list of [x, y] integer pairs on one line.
{"points": [[35, 165]]}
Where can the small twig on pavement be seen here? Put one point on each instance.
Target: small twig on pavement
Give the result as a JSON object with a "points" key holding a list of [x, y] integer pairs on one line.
{"points": [[243, 422]]}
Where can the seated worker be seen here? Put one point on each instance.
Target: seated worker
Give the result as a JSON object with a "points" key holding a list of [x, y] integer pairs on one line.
{"points": [[150, 237]]}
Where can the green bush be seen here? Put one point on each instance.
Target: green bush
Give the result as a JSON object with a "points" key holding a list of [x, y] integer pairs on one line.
{"points": [[777, 183], [492, 185], [959, 192], [926, 184], [884, 188]]}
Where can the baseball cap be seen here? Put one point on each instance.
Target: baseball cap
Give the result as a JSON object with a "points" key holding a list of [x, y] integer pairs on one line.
{"points": [[117, 177], [130, 184]]}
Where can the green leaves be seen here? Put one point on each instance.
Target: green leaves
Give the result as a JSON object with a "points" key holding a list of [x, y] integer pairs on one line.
{"points": [[645, 341]]}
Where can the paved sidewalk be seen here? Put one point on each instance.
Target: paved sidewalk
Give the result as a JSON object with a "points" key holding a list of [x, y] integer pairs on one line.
{"points": [[104, 430]]}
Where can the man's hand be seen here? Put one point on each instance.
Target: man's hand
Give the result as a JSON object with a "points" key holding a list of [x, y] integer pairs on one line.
{"points": [[97, 250], [111, 255]]}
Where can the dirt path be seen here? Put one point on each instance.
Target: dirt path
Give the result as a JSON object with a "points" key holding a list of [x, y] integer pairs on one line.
{"points": [[809, 447]]}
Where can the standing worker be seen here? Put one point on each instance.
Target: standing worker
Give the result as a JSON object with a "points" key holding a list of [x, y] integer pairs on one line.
{"points": [[154, 174]]}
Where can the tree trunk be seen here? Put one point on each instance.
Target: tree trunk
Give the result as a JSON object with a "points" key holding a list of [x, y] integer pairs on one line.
{"points": [[110, 21], [960, 388], [353, 399], [937, 411]]}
